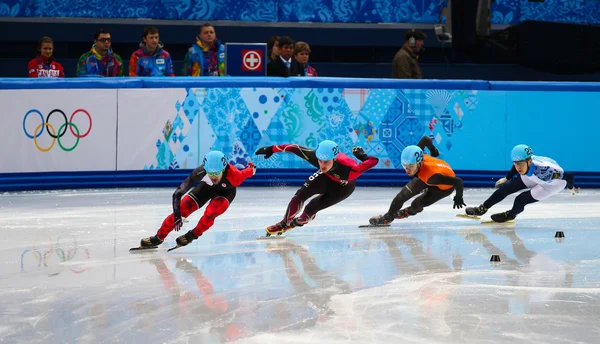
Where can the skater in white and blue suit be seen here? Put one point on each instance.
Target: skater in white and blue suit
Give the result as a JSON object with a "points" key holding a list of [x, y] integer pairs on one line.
{"points": [[543, 176]]}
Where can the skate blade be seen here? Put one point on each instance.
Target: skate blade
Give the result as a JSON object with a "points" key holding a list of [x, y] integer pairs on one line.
{"points": [[370, 226], [509, 222], [133, 249], [172, 248], [465, 216], [272, 237]]}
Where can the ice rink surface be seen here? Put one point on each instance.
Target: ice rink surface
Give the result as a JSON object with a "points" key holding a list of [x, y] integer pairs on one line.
{"points": [[66, 275]]}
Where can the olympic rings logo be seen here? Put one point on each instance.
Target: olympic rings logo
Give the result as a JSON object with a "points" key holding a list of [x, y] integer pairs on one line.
{"points": [[54, 134]]}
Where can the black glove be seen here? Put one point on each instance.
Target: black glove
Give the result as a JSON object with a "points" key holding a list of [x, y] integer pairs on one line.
{"points": [[178, 220], [267, 151], [458, 202], [359, 153]]}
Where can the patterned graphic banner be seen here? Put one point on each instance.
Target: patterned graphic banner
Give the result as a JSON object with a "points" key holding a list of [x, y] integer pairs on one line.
{"points": [[474, 130], [180, 126], [343, 11]]}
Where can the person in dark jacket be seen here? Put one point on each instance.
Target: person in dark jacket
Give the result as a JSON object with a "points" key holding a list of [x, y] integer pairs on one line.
{"points": [[285, 65], [406, 62]]}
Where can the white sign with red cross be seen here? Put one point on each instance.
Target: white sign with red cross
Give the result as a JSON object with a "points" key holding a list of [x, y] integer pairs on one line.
{"points": [[252, 60]]}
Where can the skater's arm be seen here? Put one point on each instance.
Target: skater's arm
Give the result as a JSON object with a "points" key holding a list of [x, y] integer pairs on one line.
{"points": [[511, 173], [194, 177], [237, 177], [440, 179], [425, 142], [302, 152], [364, 166]]}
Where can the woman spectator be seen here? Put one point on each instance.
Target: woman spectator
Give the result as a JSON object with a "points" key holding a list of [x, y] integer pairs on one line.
{"points": [[273, 48], [44, 66], [301, 54]]}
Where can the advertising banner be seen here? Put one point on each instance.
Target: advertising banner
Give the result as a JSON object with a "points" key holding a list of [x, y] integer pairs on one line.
{"points": [[58, 130]]}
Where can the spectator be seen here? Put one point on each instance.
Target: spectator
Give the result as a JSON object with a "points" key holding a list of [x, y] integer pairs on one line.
{"points": [[207, 56], [100, 60], [406, 62], [272, 48], [44, 66], [151, 59], [285, 65], [301, 54]]}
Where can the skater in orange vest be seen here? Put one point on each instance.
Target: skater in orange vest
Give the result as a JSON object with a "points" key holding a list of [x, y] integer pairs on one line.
{"points": [[433, 175]]}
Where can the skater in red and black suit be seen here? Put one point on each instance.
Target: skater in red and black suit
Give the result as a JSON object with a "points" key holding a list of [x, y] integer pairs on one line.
{"points": [[218, 182], [333, 182]]}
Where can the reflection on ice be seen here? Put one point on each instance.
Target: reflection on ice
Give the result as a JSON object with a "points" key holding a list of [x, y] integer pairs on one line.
{"points": [[67, 275]]}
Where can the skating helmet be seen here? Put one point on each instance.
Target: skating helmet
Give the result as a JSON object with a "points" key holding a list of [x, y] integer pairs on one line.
{"points": [[327, 150], [214, 162], [412, 155], [521, 152]]}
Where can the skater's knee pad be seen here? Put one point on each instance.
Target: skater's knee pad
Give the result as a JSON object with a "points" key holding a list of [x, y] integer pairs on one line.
{"points": [[217, 206], [187, 206]]}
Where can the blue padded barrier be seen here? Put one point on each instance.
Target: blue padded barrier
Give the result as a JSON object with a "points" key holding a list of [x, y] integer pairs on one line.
{"points": [[71, 83], [191, 82], [544, 86], [264, 177], [297, 82]]}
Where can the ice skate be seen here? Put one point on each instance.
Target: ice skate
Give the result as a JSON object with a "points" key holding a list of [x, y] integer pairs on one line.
{"points": [[476, 211], [279, 228], [503, 217], [403, 213], [381, 220], [186, 238], [148, 243]]}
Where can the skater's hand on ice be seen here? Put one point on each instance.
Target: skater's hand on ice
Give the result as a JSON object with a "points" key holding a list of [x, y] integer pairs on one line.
{"points": [[359, 153], [267, 151], [178, 221], [251, 165], [458, 202], [500, 182]]}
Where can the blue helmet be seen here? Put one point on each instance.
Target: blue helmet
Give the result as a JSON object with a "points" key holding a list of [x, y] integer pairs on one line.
{"points": [[214, 162], [521, 152], [412, 155], [327, 150]]}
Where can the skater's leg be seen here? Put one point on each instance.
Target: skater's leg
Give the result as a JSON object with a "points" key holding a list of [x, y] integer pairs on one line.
{"points": [[413, 188], [510, 187], [429, 197], [542, 191], [216, 207], [335, 194], [315, 184], [521, 201], [188, 205]]}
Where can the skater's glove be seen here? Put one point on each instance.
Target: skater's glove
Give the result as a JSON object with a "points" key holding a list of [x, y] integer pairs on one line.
{"points": [[500, 182], [458, 202], [251, 165], [178, 220], [359, 153], [267, 151]]}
